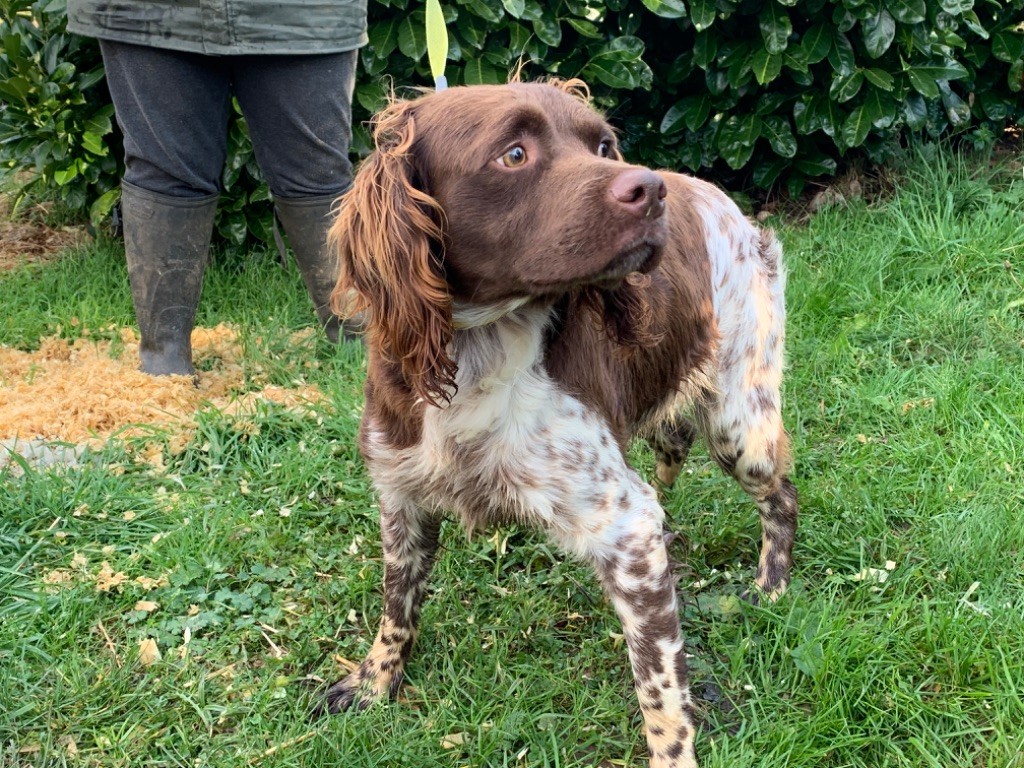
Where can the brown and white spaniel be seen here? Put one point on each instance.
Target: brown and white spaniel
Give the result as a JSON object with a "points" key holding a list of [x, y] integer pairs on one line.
{"points": [[533, 303]]}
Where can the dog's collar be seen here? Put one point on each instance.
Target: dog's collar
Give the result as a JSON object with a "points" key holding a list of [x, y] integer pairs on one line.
{"points": [[466, 316]]}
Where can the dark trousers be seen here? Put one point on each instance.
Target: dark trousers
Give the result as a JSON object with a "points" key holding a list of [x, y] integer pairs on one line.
{"points": [[173, 108]]}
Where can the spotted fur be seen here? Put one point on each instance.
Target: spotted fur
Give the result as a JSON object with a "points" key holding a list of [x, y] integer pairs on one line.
{"points": [[658, 313]]}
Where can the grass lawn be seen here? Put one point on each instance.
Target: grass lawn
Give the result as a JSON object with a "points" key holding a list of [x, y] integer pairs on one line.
{"points": [[251, 561]]}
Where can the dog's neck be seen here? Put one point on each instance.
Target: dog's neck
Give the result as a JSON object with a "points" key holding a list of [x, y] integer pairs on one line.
{"points": [[509, 345], [466, 316]]}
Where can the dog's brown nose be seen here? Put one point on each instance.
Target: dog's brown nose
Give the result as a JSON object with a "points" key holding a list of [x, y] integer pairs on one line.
{"points": [[641, 192]]}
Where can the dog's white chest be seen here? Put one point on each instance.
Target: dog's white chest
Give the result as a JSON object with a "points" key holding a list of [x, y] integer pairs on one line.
{"points": [[511, 444]]}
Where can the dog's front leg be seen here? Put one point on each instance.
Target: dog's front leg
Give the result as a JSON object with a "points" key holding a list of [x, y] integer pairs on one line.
{"points": [[409, 540], [633, 565]]}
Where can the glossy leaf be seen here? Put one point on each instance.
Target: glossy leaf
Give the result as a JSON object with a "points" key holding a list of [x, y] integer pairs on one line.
{"points": [[780, 135], [816, 43], [775, 28], [702, 13], [845, 87], [766, 66], [879, 78], [907, 11], [841, 56], [515, 8], [412, 36], [669, 9], [879, 32], [1008, 45]]}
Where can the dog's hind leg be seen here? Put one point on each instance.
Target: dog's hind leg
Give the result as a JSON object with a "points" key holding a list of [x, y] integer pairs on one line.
{"points": [[409, 543], [742, 419], [754, 450], [671, 442]]}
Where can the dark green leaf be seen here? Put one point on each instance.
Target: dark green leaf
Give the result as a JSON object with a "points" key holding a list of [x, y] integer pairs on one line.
{"points": [[957, 111], [974, 24], [612, 73], [624, 48], [766, 66], [880, 108], [856, 127], [922, 83], [841, 55], [879, 78], [907, 11], [702, 13], [480, 72], [775, 28], [957, 7], [770, 103], [717, 81], [767, 171], [584, 27], [994, 106], [736, 139], [879, 32], [845, 87], [412, 36], [472, 30], [951, 71], [780, 135], [668, 9], [1008, 45], [1015, 77], [384, 36], [705, 47], [489, 10], [815, 164], [515, 8], [915, 111], [691, 112], [817, 43], [548, 29], [533, 10], [795, 59]]}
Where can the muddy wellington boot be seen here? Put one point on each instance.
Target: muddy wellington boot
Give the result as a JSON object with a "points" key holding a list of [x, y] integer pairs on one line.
{"points": [[306, 221], [167, 243]]}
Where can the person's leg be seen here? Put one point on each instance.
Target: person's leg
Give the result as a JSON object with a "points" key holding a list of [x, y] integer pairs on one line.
{"points": [[173, 109], [298, 109]]}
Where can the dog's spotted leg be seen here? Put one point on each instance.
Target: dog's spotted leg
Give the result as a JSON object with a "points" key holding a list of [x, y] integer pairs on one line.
{"points": [[632, 561], [754, 449], [778, 529], [671, 443], [409, 543]]}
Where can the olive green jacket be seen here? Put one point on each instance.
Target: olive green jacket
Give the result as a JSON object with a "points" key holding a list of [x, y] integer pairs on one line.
{"points": [[225, 27]]}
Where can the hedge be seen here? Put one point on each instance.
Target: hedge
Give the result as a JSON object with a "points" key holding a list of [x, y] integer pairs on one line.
{"points": [[762, 93]]}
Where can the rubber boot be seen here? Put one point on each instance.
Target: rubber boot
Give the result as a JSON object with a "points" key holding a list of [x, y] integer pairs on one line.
{"points": [[306, 221], [167, 243]]}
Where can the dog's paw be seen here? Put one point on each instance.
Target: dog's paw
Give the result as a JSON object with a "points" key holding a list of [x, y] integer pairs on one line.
{"points": [[357, 691], [761, 596]]}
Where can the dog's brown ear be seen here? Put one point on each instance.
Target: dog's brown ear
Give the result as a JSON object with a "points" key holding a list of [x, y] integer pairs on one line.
{"points": [[388, 238]]}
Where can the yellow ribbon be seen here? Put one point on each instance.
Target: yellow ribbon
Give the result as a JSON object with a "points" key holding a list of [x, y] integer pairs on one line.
{"points": [[437, 43]]}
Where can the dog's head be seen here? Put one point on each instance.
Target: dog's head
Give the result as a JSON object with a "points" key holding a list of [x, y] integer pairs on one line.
{"points": [[488, 196]]}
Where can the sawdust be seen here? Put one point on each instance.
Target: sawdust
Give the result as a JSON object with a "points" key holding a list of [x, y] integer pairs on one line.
{"points": [[90, 390]]}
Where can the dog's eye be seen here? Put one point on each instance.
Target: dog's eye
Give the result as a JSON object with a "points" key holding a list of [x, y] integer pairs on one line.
{"points": [[604, 149], [514, 158]]}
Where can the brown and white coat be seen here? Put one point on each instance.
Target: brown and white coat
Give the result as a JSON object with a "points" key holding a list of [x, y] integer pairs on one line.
{"points": [[533, 303]]}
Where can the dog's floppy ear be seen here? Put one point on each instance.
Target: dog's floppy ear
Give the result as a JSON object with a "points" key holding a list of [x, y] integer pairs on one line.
{"points": [[388, 238]]}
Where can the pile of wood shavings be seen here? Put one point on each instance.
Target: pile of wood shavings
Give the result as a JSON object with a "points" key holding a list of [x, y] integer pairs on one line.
{"points": [[80, 393]]}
